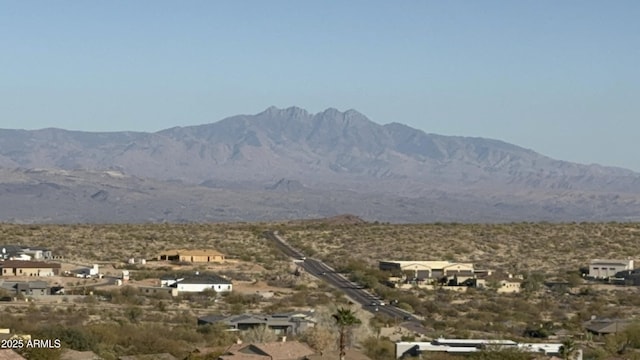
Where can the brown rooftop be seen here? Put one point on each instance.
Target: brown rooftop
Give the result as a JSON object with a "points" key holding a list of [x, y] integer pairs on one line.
{"points": [[8, 354], [192, 252], [28, 264], [281, 350], [69, 354], [351, 354]]}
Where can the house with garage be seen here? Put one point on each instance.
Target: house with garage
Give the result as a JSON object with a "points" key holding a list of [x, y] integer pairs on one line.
{"points": [[606, 268], [428, 269], [193, 255], [28, 268], [200, 283], [405, 350], [431, 274], [291, 323]]}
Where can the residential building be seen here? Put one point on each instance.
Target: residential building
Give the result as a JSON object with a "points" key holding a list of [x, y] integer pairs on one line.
{"points": [[28, 268], [442, 275], [292, 323], [169, 280], [37, 252], [429, 269], [155, 291], [161, 356], [69, 354], [508, 286], [606, 326], [200, 283], [25, 288], [466, 346], [197, 256], [606, 268], [24, 252], [281, 350], [9, 251]]}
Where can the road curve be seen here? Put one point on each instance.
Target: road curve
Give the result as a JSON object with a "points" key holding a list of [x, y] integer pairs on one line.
{"points": [[325, 272]]}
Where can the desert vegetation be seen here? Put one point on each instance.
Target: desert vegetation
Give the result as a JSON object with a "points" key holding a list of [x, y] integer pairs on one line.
{"points": [[114, 321]]}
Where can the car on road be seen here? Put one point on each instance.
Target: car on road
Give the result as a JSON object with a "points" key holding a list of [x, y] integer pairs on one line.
{"points": [[406, 318], [323, 273], [303, 258]]}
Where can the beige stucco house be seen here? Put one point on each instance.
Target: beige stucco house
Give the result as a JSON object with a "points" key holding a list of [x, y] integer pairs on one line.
{"points": [[196, 255], [28, 268]]}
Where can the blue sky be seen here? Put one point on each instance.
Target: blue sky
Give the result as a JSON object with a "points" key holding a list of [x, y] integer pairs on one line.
{"points": [[559, 77]]}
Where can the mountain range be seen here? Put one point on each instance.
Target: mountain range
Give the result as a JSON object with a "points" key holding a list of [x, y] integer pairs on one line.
{"points": [[288, 163]]}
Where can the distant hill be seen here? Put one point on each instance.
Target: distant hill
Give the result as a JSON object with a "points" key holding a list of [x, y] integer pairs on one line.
{"points": [[297, 156]]}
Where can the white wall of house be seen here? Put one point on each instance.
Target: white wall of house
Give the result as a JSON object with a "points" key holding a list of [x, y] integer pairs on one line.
{"points": [[35, 254], [203, 287], [95, 270], [602, 268]]}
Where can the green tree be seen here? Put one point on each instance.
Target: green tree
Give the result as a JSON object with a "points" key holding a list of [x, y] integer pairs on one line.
{"points": [[346, 320], [568, 350]]}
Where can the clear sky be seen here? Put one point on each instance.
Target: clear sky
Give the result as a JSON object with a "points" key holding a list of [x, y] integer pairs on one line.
{"points": [[559, 77]]}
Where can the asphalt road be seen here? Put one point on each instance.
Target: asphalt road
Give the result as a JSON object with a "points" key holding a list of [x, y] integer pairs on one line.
{"points": [[353, 291]]}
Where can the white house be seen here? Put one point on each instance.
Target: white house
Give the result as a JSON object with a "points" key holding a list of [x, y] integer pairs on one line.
{"points": [[22, 257], [200, 283], [466, 346], [605, 268]]}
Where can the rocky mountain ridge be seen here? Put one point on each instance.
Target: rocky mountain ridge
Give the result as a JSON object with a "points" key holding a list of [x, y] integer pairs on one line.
{"points": [[290, 151]]}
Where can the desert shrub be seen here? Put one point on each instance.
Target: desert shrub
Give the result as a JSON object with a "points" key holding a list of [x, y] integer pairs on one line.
{"points": [[73, 337], [379, 349]]}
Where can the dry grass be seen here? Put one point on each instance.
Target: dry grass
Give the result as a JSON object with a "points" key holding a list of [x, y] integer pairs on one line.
{"points": [[551, 249], [519, 247], [119, 242]]}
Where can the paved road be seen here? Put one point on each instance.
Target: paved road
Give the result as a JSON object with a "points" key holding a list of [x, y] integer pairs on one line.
{"points": [[362, 296]]}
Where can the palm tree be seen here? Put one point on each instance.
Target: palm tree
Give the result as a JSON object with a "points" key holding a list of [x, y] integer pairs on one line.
{"points": [[345, 319], [568, 349]]}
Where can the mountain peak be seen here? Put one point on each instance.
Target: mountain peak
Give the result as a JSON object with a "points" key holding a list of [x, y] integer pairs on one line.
{"points": [[290, 111]]}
